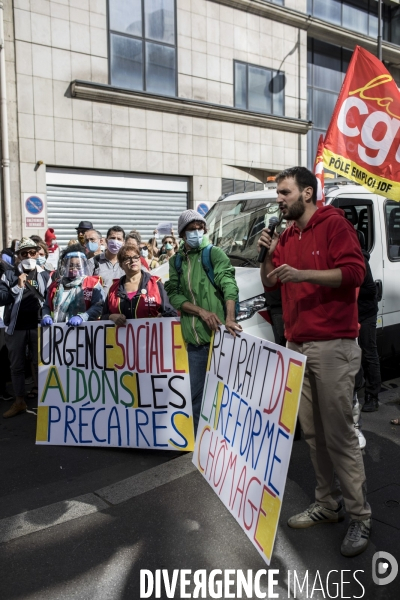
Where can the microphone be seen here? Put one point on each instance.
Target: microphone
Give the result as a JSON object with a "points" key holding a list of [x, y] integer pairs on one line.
{"points": [[272, 225]]}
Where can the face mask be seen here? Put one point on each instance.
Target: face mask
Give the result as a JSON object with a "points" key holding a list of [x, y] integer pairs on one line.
{"points": [[28, 264], [102, 247], [144, 253], [168, 246], [74, 273], [194, 238], [92, 246], [114, 246], [41, 260]]}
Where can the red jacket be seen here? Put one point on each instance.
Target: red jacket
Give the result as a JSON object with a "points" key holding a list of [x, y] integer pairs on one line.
{"points": [[88, 285], [314, 312], [151, 301]]}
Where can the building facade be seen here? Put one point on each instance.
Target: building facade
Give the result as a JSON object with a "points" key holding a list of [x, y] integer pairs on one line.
{"points": [[128, 111]]}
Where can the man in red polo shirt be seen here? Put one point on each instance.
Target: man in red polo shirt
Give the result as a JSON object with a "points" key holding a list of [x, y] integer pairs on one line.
{"points": [[317, 263]]}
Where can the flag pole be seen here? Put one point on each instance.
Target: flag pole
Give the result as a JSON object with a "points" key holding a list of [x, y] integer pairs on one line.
{"points": [[380, 29]]}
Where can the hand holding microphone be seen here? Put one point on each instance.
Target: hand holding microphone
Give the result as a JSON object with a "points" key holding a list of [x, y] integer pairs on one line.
{"points": [[266, 239]]}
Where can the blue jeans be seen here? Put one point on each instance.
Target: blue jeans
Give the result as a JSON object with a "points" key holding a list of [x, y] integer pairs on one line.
{"points": [[198, 358]]}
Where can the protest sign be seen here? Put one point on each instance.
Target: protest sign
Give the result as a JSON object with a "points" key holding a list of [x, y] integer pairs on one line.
{"points": [[101, 385], [246, 429], [363, 137]]}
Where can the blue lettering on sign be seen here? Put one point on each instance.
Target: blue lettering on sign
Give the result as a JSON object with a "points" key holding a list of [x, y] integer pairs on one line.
{"points": [[34, 205], [202, 209]]}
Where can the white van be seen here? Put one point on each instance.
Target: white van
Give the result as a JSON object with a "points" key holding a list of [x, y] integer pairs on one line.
{"points": [[235, 224]]}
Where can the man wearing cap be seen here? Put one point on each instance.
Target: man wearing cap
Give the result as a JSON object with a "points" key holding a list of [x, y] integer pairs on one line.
{"points": [[82, 228], [22, 293], [204, 306]]}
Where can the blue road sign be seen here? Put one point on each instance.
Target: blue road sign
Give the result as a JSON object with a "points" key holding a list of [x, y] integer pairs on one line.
{"points": [[34, 205], [202, 209]]}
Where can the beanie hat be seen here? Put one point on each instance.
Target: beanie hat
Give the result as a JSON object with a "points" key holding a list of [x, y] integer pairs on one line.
{"points": [[49, 236], [188, 217]]}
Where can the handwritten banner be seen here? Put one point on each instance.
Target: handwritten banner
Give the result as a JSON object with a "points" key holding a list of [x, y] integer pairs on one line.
{"points": [[363, 138], [101, 385], [246, 429]]}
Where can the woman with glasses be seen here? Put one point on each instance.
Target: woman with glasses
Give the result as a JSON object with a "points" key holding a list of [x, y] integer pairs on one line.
{"points": [[22, 293], [137, 295], [75, 296]]}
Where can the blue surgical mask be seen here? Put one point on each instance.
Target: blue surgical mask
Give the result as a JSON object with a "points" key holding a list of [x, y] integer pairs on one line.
{"points": [[168, 246], [194, 238], [40, 260], [92, 246]]}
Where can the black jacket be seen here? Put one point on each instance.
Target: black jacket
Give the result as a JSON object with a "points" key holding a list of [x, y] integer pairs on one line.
{"points": [[11, 294], [368, 296]]}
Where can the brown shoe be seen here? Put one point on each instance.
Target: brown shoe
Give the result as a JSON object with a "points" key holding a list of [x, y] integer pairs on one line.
{"points": [[15, 409]]}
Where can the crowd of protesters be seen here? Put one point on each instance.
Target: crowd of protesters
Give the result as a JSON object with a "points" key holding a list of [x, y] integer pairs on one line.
{"points": [[111, 278]]}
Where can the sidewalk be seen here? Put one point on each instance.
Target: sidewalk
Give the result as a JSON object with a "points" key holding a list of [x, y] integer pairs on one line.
{"points": [[175, 521]]}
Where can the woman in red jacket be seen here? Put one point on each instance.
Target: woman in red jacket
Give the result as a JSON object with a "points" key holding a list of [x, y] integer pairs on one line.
{"points": [[137, 295]]}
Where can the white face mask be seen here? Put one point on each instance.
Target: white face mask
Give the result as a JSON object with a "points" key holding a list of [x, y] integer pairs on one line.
{"points": [[28, 264]]}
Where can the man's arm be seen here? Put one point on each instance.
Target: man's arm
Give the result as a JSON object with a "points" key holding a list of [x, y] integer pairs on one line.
{"points": [[329, 277], [267, 266], [210, 319]]}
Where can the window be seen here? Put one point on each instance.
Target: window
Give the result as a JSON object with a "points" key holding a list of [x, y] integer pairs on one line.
{"points": [[326, 68], [361, 216], [238, 186], [392, 218], [258, 89], [143, 45], [358, 15]]}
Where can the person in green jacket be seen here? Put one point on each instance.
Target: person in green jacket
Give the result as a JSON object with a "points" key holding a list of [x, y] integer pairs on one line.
{"points": [[203, 307]]}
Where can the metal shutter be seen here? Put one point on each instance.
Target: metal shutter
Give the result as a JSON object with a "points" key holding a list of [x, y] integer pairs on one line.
{"points": [[130, 209]]}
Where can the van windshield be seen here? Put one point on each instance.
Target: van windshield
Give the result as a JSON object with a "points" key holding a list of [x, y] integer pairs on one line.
{"points": [[235, 226]]}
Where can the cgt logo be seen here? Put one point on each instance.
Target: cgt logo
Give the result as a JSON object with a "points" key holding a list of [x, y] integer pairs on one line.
{"points": [[384, 568]]}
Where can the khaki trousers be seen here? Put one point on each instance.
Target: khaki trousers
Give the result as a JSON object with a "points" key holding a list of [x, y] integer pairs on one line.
{"points": [[327, 421]]}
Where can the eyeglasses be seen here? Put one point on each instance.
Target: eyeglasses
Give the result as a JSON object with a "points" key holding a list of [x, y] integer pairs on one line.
{"points": [[130, 259], [26, 253]]}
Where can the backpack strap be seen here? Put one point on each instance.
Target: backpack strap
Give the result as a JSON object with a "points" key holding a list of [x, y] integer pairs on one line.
{"points": [[207, 263], [96, 262], [178, 267]]}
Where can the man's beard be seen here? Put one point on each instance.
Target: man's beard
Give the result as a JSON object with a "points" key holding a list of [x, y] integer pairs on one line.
{"points": [[295, 211]]}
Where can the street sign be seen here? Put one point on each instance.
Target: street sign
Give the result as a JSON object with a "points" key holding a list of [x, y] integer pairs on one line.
{"points": [[34, 210], [203, 209]]}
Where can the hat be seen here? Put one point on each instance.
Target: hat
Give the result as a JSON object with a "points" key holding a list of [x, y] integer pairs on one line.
{"points": [[49, 236], [27, 244], [84, 225], [188, 217]]}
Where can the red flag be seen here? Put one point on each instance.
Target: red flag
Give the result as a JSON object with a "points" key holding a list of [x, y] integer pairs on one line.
{"points": [[363, 138], [319, 171]]}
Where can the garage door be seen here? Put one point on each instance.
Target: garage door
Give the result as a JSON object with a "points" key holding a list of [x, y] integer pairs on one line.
{"points": [[140, 209]]}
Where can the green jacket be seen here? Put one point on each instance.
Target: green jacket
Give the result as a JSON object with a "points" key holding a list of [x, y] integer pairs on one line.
{"points": [[195, 287]]}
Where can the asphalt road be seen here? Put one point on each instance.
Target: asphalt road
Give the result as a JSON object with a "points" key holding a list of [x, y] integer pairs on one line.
{"points": [[167, 517]]}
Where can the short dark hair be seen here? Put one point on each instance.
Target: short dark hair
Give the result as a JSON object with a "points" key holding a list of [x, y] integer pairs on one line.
{"points": [[123, 251], [36, 238], [116, 228], [72, 248], [303, 178]]}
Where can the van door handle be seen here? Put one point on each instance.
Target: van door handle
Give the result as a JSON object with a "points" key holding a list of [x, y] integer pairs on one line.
{"points": [[379, 289]]}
